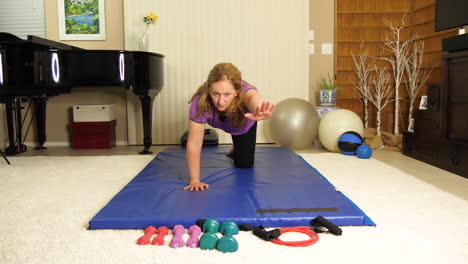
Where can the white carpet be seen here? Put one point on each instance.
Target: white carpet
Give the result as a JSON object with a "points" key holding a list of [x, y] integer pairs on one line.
{"points": [[46, 203]]}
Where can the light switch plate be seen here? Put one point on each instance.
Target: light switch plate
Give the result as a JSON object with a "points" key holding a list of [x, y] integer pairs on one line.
{"points": [[327, 48]]}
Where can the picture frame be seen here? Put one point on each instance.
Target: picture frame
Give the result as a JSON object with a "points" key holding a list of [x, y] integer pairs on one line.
{"points": [[411, 125], [423, 103], [81, 19]]}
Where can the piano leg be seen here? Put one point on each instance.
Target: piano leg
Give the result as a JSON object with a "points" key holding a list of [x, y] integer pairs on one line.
{"points": [[14, 118], [40, 104], [11, 132], [147, 110]]}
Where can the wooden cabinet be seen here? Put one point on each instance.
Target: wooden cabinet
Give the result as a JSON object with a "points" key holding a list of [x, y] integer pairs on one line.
{"points": [[440, 135], [455, 96]]}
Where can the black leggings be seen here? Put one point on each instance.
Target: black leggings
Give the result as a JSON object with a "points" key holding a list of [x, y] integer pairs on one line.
{"points": [[244, 148]]}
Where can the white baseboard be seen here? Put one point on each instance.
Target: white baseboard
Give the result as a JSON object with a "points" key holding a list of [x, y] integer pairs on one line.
{"points": [[121, 143]]}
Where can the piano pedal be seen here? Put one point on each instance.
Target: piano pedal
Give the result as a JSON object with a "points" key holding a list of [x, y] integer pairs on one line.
{"points": [[16, 149]]}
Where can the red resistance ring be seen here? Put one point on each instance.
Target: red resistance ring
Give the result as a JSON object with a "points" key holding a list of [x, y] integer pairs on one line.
{"points": [[300, 229]]}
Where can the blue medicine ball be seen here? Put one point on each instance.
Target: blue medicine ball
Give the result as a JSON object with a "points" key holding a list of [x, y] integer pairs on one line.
{"points": [[364, 152], [348, 142]]}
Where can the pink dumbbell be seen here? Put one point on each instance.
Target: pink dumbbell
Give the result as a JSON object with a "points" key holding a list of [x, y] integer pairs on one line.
{"points": [[177, 241], [159, 240], [194, 240], [145, 239]]}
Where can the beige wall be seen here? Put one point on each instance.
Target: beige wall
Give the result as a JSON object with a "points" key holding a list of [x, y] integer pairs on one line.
{"points": [[322, 21], [246, 33], [59, 108]]}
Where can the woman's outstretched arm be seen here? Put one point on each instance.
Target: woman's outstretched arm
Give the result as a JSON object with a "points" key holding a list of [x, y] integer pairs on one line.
{"points": [[259, 109]]}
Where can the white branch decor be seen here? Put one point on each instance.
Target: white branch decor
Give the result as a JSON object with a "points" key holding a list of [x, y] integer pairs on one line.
{"points": [[362, 69], [416, 76], [400, 50], [380, 93]]}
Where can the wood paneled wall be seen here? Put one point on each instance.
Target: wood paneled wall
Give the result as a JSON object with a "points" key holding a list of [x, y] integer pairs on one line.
{"points": [[367, 22], [423, 26]]}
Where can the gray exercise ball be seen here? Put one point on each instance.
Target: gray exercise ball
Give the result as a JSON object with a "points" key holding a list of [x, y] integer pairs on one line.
{"points": [[294, 123]]}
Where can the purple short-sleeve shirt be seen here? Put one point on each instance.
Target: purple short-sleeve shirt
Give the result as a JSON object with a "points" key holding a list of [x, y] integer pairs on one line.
{"points": [[213, 118]]}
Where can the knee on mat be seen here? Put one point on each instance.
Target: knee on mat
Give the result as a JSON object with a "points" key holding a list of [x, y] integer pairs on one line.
{"points": [[244, 164]]}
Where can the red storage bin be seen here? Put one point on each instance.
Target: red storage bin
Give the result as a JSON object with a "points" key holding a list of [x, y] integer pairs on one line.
{"points": [[93, 135]]}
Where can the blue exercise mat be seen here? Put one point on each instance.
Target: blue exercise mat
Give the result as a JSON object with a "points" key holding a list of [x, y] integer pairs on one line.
{"points": [[282, 189]]}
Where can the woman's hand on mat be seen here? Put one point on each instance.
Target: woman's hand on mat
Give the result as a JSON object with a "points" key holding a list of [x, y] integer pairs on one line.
{"points": [[262, 112], [197, 186]]}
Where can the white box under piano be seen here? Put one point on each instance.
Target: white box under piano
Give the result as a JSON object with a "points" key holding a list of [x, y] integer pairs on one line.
{"points": [[93, 113]]}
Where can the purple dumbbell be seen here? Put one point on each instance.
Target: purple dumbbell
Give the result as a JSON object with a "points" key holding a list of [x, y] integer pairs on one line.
{"points": [[194, 240], [177, 241]]}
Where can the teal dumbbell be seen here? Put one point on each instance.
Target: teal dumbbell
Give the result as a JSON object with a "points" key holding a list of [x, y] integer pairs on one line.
{"points": [[209, 239], [228, 243]]}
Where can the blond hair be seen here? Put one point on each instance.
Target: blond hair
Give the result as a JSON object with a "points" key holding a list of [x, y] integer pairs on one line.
{"points": [[236, 110]]}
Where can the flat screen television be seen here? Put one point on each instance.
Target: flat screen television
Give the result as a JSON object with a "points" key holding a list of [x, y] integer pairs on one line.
{"points": [[450, 14]]}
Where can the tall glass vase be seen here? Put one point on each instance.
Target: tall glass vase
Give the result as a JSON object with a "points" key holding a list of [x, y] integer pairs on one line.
{"points": [[143, 41]]}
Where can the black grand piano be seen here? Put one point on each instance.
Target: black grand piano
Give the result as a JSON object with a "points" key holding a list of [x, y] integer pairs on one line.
{"points": [[38, 68]]}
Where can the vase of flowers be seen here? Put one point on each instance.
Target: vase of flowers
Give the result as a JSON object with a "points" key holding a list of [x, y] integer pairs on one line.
{"points": [[143, 39]]}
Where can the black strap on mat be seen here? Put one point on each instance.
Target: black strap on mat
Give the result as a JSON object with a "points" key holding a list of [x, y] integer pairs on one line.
{"points": [[298, 210]]}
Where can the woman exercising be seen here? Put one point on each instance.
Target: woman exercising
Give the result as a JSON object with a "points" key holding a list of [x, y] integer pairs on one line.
{"points": [[227, 102]]}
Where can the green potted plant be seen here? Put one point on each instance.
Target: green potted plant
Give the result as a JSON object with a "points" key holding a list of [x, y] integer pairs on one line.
{"points": [[328, 90]]}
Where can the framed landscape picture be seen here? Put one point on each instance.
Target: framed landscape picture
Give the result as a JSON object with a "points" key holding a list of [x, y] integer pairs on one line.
{"points": [[81, 20]]}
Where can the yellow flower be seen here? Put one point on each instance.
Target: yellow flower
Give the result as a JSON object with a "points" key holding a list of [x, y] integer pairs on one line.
{"points": [[151, 18]]}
